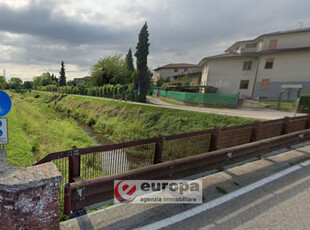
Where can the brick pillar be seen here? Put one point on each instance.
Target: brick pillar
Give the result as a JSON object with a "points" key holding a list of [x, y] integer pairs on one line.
{"points": [[29, 196]]}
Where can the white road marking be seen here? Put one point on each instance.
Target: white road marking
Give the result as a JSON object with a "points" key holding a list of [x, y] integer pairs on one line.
{"points": [[221, 200]]}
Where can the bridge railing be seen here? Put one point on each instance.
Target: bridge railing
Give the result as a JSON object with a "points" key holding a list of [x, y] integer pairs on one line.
{"points": [[80, 164], [89, 192]]}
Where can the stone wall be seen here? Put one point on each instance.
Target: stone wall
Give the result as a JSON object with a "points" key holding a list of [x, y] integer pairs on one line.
{"points": [[29, 196]]}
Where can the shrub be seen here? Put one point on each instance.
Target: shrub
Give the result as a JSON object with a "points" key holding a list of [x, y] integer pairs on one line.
{"points": [[304, 103], [165, 86]]}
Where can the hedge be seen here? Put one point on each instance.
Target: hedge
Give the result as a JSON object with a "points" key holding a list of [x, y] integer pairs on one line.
{"points": [[304, 103], [109, 91]]}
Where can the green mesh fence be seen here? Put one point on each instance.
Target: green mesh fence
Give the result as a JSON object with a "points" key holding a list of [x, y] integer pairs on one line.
{"points": [[218, 99]]}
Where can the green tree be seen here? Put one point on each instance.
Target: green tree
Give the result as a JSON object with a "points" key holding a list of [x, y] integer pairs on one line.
{"points": [[162, 80], [141, 55], [3, 83], [28, 84], [54, 78], [43, 80], [110, 70], [15, 83], [129, 61], [62, 78]]}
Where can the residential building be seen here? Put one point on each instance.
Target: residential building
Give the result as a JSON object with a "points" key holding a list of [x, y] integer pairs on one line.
{"points": [[263, 67], [175, 71]]}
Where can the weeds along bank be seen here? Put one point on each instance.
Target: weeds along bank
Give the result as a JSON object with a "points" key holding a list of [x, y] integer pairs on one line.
{"points": [[35, 129], [121, 121]]}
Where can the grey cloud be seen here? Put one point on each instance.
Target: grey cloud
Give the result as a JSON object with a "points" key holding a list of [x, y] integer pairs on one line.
{"points": [[180, 30], [39, 20]]}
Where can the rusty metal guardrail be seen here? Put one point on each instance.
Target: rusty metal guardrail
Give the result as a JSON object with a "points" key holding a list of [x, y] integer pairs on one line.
{"points": [[84, 193], [80, 164]]}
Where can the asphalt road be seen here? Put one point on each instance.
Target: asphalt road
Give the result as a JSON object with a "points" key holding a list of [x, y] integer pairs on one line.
{"points": [[267, 114], [282, 204]]}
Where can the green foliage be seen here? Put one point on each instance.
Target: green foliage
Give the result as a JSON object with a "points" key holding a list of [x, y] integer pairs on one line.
{"points": [[110, 70], [142, 68], [123, 92], [15, 83], [165, 86], [186, 80], [43, 80], [28, 84], [3, 83], [119, 121], [161, 81], [304, 104], [35, 129], [62, 78], [129, 61]]}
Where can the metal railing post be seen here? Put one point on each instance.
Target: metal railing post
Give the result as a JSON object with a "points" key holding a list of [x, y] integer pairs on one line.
{"points": [[74, 165], [214, 138], [285, 127], [308, 122], [67, 200], [158, 151], [254, 133]]}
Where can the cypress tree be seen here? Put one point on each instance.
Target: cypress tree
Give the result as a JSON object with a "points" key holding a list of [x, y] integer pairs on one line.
{"points": [[141, 55], [129, 61], [62, 78]]}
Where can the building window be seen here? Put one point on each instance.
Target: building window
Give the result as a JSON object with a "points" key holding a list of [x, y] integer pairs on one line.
{"points": [[269, 63], [244, 84], [176, 70], [247, 65], [185, 69], [265, 84], [273, 44]]}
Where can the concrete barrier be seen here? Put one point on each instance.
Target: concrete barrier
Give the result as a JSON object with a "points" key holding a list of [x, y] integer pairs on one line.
{"points": [[29, 197]]}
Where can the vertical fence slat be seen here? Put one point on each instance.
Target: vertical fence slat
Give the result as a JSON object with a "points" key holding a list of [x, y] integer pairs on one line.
{"points": [[214, 139], [158, 151], [74, 166], [285, 126]]}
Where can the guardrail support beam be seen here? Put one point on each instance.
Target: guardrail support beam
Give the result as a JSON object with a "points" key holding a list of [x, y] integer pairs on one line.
{"points": [[158, 151], [214, 138], [74, 166], [286, 121]]}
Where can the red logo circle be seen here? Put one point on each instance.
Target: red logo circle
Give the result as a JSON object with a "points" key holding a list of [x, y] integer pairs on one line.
{"points": [[125, 190]]}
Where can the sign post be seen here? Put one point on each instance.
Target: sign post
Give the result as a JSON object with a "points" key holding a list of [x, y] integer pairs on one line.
{"points": [[5, 107], [4, 139], [139, 90]]}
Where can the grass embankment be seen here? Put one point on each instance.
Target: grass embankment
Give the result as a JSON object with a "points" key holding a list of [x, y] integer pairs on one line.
{"points": [[119, 121], [35, 130]]}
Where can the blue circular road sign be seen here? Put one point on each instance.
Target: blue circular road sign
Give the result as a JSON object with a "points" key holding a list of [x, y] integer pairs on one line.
{"points": [[5, 103]]}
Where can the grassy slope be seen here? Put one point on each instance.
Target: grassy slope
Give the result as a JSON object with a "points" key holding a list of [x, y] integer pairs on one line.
{"points": [[35, 130], [119, 121]]}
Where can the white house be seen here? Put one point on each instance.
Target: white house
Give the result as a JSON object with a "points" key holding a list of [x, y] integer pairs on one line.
{"points": [[262, 67], [176, 70]]}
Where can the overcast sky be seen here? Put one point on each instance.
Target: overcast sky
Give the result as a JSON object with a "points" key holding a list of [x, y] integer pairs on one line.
{"points": [[35, 36]]}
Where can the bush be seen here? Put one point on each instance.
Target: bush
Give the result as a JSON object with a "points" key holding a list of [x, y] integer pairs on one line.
{"points": [[304, 103], [165, 86]]}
